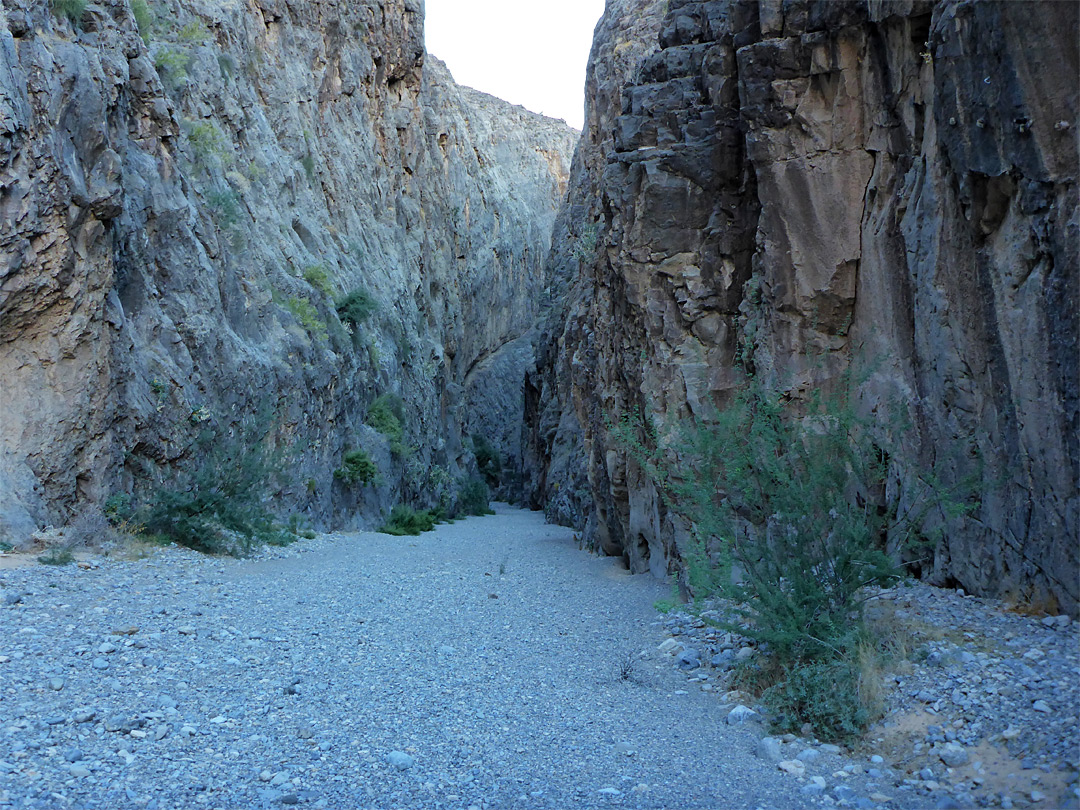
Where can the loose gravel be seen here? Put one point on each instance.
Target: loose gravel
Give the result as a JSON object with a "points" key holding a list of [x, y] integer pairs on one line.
{"points": [[487, 664]]}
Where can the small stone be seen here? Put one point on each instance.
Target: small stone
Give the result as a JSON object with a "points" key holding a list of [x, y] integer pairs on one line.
{"points": [[161, 732], [1011, 733], [1041, 706], [670, 646], [56, 684], [689, 659], [106, 648], [625, 748], [741, 714], [1037, 795], [400, 760], [446, 649], [808, 756], [926, 774], [54, 720], [12, 598], [812, 789], [83, 715], [744, 653], [305, 732], [138, 734], [100, 663], [953, 755], [186, 630], [829, 748], [79, 771], [290, 798], [73, 755], [877, 759], [791, 766], [279, 779], [265, 776], [880, 798], [610, 791], [768, 748]]}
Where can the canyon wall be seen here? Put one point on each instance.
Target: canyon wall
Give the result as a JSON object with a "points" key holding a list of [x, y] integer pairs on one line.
{"points": [[188, 187], [797, 187]]}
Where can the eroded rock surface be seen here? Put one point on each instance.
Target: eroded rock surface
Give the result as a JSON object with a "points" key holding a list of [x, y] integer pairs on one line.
{"points": [[180, 214], [812, 183]]}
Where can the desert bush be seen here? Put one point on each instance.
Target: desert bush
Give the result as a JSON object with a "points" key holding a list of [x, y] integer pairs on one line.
{"points": [[144, 19], [356, 307], [386, 414], [488, 459], [356, 467], [70, 9], [307, 315], [218, 505], [404, 520], [473, 498], [317, 277], [794, 496]]}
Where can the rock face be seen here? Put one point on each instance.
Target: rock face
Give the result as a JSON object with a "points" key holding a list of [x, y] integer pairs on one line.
{"points": [[807, 185], [181, 210]]}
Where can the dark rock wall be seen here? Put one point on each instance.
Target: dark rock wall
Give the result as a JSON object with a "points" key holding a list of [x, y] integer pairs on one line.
{"points": [[178, 217], [819, 183]]}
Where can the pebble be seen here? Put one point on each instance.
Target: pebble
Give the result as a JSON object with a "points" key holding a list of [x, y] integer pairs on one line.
{"points": [[768, 748], [1041, 706], [400, 760], [100, 663], [792, 766], [56, 684], [741, 714], [953, 755]]}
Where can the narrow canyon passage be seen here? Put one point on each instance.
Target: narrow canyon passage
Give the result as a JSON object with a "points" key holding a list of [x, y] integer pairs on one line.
{"points": [[487, 652]]}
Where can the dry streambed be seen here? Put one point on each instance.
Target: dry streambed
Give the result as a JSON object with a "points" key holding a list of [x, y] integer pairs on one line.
{"points": [[488, 664]]}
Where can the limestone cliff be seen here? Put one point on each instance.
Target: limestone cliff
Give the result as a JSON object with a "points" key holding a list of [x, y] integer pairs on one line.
{"points": [[817, 183], [188, 187]]}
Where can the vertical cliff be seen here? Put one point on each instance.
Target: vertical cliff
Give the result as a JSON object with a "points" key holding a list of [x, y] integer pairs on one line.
{"points": [[187, 191], [820, 183]]}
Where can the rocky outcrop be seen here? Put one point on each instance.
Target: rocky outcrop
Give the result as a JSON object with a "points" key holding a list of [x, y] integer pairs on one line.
{"points": [[181, 210], [803, 185]]}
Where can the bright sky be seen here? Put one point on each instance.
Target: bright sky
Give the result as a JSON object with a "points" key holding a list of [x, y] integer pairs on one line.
{"points": [[526, 52]]}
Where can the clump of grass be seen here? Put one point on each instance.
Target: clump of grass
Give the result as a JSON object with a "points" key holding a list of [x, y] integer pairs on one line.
{"points": [[386, 414], [71, 10], [57, 556], [174, 63], [317, 277], [305, 313], [356, 467], [194, 33], [207, 143], [404, 521]]}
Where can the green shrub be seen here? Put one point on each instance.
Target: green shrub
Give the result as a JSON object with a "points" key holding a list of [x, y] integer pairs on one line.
{"points": [[487, 459], [793, 496], [56, 556], [217, 506], [174, 63], [70, 9], [118, 508], [317, 277], [195, 33], [356, 307], [308, 162], [385, 414], [144, 18], [305, 313], [226, 207], [473, 498], [404, 520], [356, 467], [207, 143]]}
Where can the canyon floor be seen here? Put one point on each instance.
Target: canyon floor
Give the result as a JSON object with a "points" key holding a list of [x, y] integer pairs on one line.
{"points": [[487, 664]]}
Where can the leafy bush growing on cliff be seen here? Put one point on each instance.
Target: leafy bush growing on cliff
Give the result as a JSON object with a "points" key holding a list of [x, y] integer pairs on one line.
{"points": [[144, 19], [792, 497], [473, 498], [487, 459], [356, 467], [356, 307], [218, 505], [317, 277], [386, 414]]}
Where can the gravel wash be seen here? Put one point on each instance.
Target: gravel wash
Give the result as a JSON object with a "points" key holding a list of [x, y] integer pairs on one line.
{"points": [[487, 664]]}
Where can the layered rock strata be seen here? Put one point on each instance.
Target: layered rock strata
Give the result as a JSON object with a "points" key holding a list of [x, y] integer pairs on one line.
{"points": [[182, 209], [813, 184]]}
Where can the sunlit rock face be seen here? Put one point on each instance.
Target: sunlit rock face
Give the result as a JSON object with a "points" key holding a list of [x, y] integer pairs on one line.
{"points": [[179, 218], [812, 184]]}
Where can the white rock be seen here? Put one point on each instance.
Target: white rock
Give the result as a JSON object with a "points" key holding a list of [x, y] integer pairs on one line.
{"points": [[400, 760], [670, 646], [953, 755], [1041, 706], [791, 766], [740, 714]]}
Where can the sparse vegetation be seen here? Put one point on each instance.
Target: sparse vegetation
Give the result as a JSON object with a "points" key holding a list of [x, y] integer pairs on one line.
{"points": [[207, 143], [474, 498], [404, 520], [795, 497], [317, 277], [386, 414], [144, 18], [71, 10], [56, 556], [488, 460], [174, 64], [356, 468], [306, 315], [217, 505], [194, 33]]}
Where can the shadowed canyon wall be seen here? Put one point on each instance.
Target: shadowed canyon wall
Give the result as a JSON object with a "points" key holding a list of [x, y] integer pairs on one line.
{"points": [[801, 186], [181, 210]]}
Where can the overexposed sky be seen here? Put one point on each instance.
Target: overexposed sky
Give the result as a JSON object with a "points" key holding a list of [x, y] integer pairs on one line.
{"points": [[528, 52]]}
